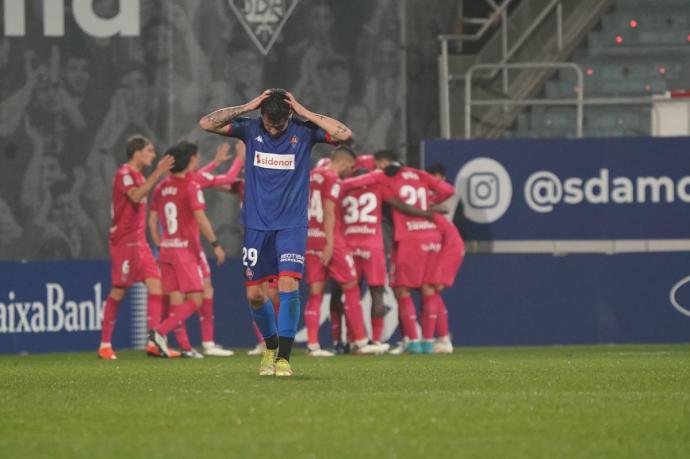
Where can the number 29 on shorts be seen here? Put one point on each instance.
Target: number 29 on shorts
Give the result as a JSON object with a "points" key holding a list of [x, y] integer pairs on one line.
{"points": [[249, 256]]}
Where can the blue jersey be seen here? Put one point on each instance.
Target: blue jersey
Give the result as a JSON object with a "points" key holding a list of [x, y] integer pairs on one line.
{"points": [[276, 194]]}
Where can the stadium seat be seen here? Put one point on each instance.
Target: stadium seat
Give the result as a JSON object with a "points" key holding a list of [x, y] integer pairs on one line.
{"points": [[650, 56]]}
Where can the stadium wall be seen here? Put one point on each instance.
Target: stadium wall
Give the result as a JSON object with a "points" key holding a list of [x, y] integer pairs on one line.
{"points": [[571, 241], [76, 83], [507, 299]]}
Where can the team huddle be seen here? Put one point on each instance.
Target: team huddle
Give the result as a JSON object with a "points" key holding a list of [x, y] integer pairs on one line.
{"points": [[320, 225]]}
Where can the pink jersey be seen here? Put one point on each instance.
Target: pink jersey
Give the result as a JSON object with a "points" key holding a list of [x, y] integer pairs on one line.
{"points": [[413, 187], [365, 162], [362, 216], [129, 217], [175, 200], [324, 184], [207, 179], [450, 236]]}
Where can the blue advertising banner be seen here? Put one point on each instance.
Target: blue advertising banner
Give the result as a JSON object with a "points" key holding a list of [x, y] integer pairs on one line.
{"points": [[593, 189], [497, 300], [512, 299], [58, 306], [48, 306]]}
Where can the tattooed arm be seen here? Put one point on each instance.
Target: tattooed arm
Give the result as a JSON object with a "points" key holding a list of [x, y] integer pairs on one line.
{"points": [[218, 121], [337, 130]]}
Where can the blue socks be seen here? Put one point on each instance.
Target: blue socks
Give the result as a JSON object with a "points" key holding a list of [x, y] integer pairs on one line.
{"points": [[265, 318], [288, 316]]}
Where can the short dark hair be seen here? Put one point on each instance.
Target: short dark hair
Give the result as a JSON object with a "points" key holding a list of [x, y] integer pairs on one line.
{"points": [[342, 151], [437, 168], [136, 143], [182, 152], [386, 154], [275, 106]]}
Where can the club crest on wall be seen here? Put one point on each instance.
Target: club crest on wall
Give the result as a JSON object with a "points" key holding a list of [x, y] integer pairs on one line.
{"points": [[263, 19]]}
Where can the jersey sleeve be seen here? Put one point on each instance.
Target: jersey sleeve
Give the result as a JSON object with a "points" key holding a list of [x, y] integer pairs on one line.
{"points": [[386, 193], [318, 135], [238, 128], [231, 175], [209, 168], [196, 196], [372, 178], [442, 189], [334, 190], [124, 182], [205, 179]]}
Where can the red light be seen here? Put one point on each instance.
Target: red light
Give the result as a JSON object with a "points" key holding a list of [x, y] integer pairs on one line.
{"points": [[590, 72], [689, 38], [619, 39], [662, 70], [648, 87], [633, 24]]}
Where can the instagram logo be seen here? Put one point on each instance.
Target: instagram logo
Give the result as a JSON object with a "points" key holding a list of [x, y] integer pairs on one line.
{"points": [[485, 188]]}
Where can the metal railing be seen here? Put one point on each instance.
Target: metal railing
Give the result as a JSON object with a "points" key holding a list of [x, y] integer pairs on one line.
{"points": [[578, 101], [500, 11]]}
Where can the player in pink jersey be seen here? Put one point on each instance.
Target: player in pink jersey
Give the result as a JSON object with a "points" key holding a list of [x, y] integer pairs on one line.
{"points": [[179, 200], [417, 241], [132, 260], [206, 179], [362, 217], [329, 256], [450, 260]]}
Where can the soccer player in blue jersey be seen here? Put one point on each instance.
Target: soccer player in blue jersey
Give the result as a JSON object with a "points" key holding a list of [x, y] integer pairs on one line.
{"points": [[274, 210]]}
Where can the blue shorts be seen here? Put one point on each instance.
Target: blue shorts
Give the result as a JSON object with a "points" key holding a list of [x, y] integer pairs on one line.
{"points": [[267, 254]]}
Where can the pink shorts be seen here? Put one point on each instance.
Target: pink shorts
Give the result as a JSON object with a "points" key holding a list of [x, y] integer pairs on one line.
{"points": [[370, 264], [448, 265], [414, 262], [182, 273], [341, 268], [131, 264]]}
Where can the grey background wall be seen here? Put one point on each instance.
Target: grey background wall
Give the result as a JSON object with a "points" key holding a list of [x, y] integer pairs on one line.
{"points": [[68, 102]]}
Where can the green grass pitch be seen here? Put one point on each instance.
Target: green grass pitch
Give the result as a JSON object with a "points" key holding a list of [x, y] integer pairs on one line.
{"points": [[582, 401]]}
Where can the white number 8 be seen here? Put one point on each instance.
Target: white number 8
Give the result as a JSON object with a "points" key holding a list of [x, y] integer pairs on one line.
{"points": [[170, 210], [249, 256]]}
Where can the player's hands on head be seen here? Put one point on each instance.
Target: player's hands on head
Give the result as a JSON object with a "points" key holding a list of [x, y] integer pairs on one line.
{"points": [[165, 164], [220, 254], [297, 108], [255, 103], [222, 153]]}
